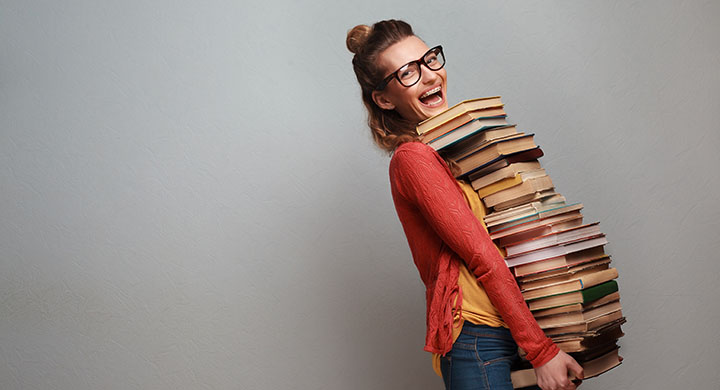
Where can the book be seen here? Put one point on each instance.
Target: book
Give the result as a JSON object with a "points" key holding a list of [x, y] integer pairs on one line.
{"points": [[510, 182], [590, 342], [463, 150], [578, 283], [456, 110], [595, 352], [503, 161], [500, 185], [475, 136], [523, 378], [526, 231], [555, 251], [543, 196], [560, 237], [481, 125], [592, 368], [601, 364], [527, 186], [573, 344], [528, 212], [510, 170], [551, 277], [494, 150], [501, 220], [578, 317], [593, 332], [583, 296], [585, 327], [560, 262], [615, 296], [460, 121]]}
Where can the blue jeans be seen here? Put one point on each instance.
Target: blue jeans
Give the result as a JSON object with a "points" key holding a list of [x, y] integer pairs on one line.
{"points": [[480, 359]]}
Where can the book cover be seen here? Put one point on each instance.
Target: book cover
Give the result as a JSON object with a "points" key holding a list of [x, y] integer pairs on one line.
{"points": [[456, 110]]}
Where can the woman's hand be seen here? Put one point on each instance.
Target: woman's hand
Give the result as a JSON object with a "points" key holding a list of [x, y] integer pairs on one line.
{"points": [[553, 375]]}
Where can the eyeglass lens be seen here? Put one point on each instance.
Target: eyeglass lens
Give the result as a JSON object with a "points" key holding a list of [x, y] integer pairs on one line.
{"points": [[410, 73]]}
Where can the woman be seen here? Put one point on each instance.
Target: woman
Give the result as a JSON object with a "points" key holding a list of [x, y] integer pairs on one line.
{"points": [[472, 298]]}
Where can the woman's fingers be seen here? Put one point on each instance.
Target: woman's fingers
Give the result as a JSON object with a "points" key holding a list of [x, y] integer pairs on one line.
{"points": [[554, 374], [576, 369]]}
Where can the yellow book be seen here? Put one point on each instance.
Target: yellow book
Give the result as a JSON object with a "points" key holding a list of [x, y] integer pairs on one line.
{"points": [[499, 186]]}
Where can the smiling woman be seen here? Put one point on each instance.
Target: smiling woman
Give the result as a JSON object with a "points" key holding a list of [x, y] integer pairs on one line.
{"points": [[389, 128], [476, 316], [417, 95]]}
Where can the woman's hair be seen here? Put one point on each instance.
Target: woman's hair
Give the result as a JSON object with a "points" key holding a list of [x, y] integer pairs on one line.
{"points": [[388, 128]]}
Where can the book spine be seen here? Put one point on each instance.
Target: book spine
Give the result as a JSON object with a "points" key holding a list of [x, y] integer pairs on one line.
{"points": [[596, 292], [598, 277]]}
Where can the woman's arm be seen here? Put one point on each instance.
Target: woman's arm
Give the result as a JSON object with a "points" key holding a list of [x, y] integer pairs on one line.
{"points": [[422, 177]]}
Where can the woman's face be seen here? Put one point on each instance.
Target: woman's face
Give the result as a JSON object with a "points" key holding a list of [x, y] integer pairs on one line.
{"points": [[420, 101]]}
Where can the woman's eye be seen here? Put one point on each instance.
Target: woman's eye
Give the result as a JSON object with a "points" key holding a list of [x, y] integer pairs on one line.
{"points": [[407, 73], [431, 59]]}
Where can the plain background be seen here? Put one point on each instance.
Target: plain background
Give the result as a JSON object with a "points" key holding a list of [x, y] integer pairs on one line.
{"points": [[191, 199]]}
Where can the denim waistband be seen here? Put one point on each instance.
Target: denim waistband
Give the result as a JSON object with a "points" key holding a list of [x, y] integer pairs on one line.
{"points": [[485, 331]]}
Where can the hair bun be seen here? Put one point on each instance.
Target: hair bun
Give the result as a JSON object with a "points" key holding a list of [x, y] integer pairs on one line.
{"points": [[357, 37]]}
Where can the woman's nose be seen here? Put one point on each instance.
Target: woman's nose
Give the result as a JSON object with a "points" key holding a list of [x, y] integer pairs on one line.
{"points": [[428, 76]]}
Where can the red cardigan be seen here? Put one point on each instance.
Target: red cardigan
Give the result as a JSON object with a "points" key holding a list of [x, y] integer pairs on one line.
{"points": [[442, 231]]}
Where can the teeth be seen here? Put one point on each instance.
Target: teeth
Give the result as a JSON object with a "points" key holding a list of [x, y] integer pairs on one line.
{"points": [[430, 92]]}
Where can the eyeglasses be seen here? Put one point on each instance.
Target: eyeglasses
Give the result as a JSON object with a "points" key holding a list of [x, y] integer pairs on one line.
{"points": [[409, 74]]}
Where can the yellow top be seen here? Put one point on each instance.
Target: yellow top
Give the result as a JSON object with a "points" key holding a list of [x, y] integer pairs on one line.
{"points": [[476, 306]]}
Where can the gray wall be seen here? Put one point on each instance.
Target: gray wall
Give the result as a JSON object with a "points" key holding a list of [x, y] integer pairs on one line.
{"points": [[191, 200]]}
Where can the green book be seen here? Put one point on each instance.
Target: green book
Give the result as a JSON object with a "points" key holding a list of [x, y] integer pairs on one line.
{"points": [[583, 296]]}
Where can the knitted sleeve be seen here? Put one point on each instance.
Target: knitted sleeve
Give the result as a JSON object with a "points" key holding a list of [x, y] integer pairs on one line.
{"points": [[423, 178]]}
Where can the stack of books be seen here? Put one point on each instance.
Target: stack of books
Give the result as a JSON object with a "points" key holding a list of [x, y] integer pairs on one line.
{"points": [[558, 259]]}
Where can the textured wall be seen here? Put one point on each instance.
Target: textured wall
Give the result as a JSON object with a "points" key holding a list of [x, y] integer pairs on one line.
{"points": [[190, 199]]}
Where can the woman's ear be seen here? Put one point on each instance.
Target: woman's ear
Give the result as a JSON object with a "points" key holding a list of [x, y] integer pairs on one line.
{"points": [[382, 101]]}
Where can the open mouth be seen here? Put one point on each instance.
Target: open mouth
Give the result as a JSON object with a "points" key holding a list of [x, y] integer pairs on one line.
{"points": [[433, 97]]}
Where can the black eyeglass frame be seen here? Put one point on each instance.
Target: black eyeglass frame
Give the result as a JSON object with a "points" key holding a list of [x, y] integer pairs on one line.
{"points": [[421, 61]]}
